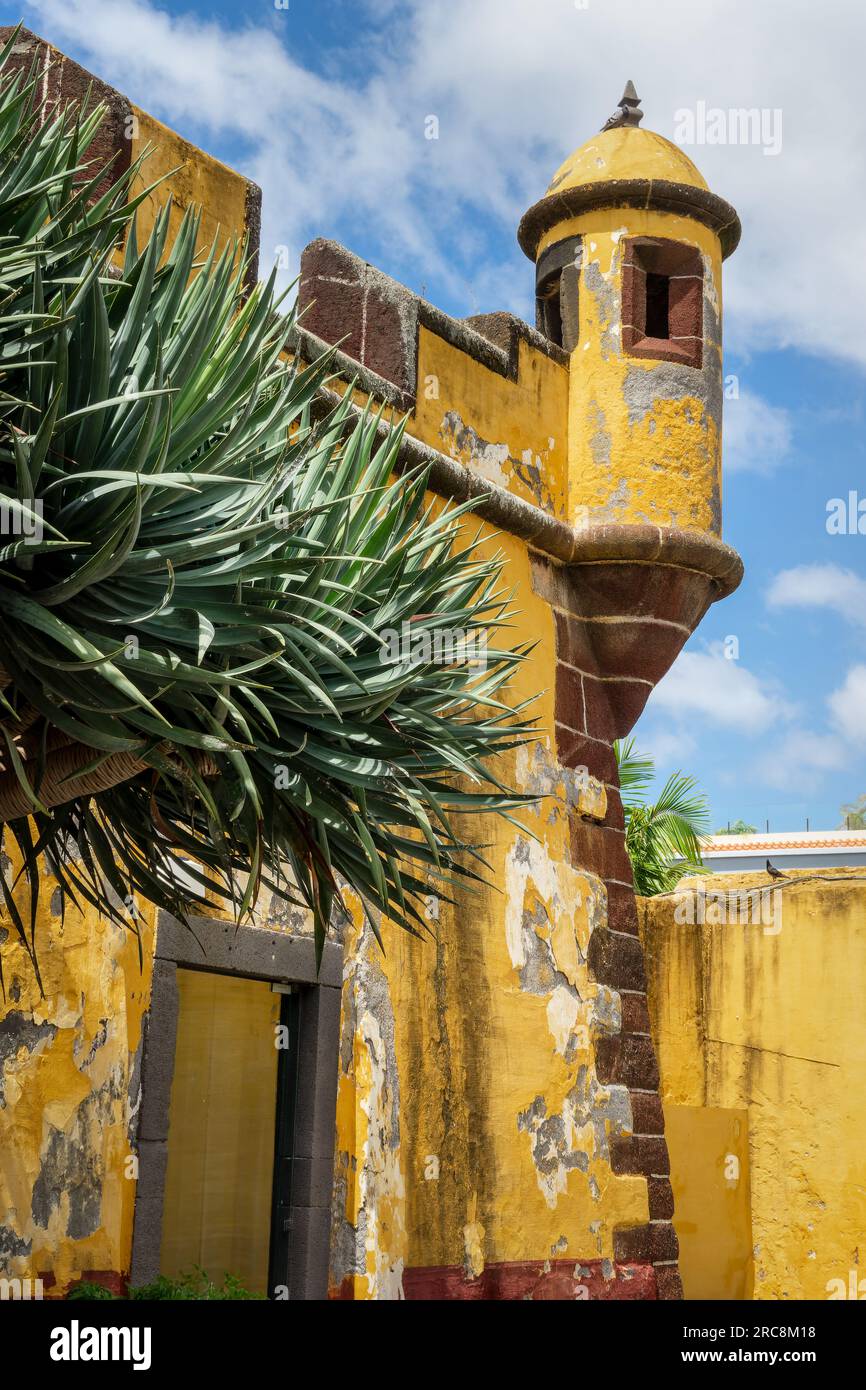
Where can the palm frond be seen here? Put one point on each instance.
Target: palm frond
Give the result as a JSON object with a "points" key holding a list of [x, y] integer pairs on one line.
{"points": [[663, 837], [636, 771]]}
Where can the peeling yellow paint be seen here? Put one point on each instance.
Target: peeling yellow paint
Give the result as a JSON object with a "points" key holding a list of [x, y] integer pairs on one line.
{"points": [[592, 798], [69, 1093], [512, 432]]}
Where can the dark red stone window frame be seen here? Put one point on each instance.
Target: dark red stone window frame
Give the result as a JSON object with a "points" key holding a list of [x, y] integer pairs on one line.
{"points": [[682, 267]]}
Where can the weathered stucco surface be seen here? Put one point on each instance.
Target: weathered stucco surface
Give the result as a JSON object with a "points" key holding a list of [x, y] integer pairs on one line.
{"points": [[644, 436], [513, 433], [69, 1093], [478, 1153], [472, 1128], [763, 1020]]}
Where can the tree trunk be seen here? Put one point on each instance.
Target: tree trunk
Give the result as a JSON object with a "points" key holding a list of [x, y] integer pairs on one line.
{"points": [[60, 783]]}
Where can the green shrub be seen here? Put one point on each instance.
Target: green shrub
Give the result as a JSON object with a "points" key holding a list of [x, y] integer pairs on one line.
{"points": [[87, 1290], [195, 1284]]}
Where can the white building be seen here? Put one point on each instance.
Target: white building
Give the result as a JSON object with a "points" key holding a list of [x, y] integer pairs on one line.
{"points": [[796, 849]]}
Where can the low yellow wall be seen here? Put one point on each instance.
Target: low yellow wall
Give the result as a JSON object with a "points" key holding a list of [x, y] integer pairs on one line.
{"points": [[762, 1022]]}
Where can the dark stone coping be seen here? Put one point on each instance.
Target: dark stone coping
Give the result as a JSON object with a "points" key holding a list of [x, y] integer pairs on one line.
{"points": [[662, 195], [602, 543], [310, 348], [473, 336]]}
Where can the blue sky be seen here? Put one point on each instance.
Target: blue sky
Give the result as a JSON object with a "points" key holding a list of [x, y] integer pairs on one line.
{"points": [[323, 102]]}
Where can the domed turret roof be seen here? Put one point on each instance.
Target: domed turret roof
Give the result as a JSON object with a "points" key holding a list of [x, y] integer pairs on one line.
{"points": [[625, 166], [626, 152]]}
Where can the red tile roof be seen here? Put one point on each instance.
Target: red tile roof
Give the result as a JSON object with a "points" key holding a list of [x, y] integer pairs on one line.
{"points": [[753, 844]]}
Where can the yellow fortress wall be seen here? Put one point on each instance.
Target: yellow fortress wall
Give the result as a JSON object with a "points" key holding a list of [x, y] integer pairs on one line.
{"points": [[472, 1125], [499, 1132]]}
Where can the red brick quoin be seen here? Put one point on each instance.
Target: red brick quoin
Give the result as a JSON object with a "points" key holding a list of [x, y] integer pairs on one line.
{"points": [[619, 627]]}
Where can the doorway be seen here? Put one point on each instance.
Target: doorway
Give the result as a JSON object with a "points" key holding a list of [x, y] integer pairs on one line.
{"points": [[221, 1155], [236, 1126]]}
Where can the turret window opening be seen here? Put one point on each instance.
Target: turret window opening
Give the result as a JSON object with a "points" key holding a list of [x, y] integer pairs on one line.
{"points": [[663, 301], [557, 282]]}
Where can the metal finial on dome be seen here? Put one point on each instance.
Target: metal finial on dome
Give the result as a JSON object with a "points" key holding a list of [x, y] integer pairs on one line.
{"points": [[628, 113]]}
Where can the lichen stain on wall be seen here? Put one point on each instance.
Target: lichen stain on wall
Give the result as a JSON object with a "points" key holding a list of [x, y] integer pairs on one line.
{"points": [[69, 1068]]}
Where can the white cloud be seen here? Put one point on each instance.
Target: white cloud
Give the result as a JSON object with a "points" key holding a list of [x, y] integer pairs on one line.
{"points": [[757, 434], [320, 149], [820, 586], [516, 87], [668, 748], [848, 707], [799, 761], [709, 686]]}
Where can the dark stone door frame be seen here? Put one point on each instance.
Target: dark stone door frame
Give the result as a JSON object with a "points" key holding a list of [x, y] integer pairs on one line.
{"points": [[254, 953]]}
